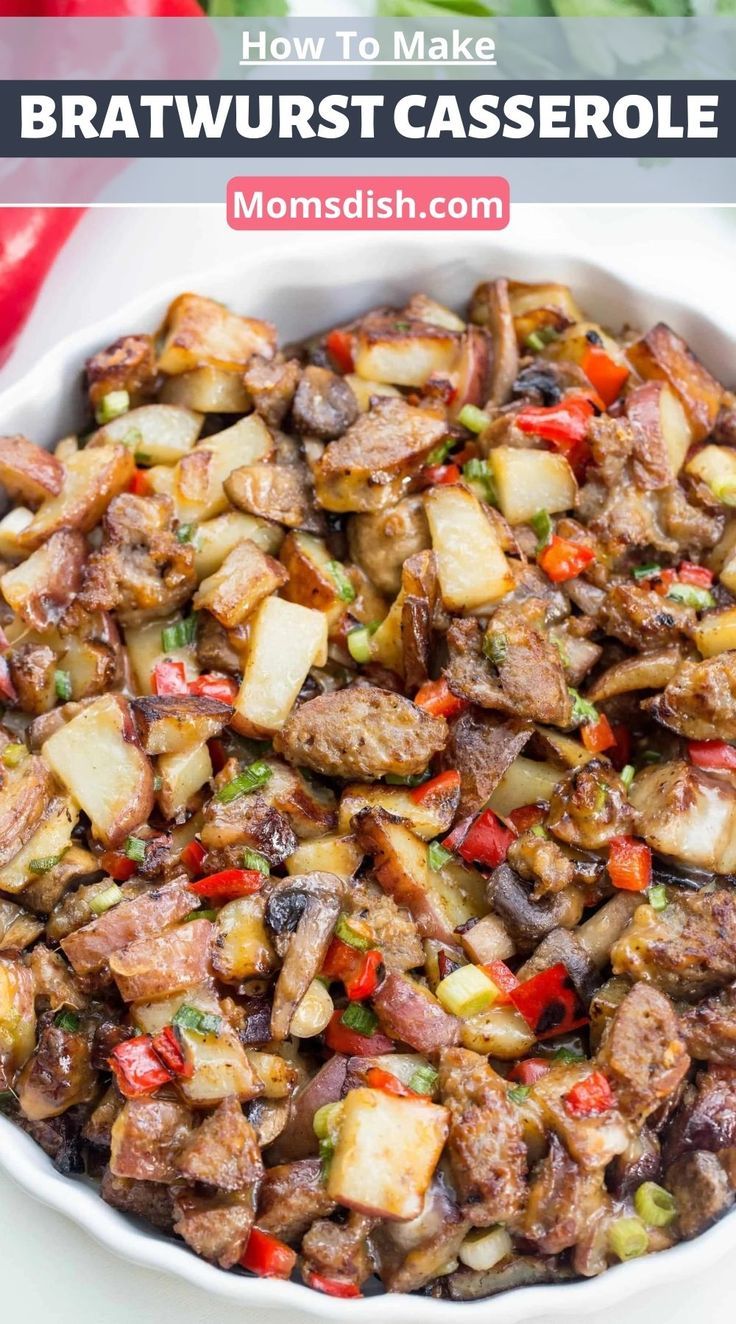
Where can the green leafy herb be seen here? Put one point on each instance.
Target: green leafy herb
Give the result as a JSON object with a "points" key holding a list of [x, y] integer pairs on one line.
{"points": [[63, 685], [201, 1022], [518, 1093], [360, 1018], [437, 856], [179, 635], [43, 864], [424, 1080], [251, 779], [112, 406], [657, 896], [345, 590], [346, 933], [105, 900], [692, 596], [185, 532], [582, 710], [542, 526], [135, 849], [495, 647], [67, 1020], [252, 859]]}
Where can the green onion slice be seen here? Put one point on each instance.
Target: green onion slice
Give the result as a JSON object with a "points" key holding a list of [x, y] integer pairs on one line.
{"points": [[518, 1093], [692, 596], [179, 635], [201, 1022], [441, 452], [647, 571], [346, 933], [542, 526], [135, 849], [539, 339], [582, 710], [251, 779], [67, 1020], [105, 900], [473, 418], [655, 1205], [111, 406], [628, 1238], [252, 859], [44, 863], [437, 856], [657, 896], [359, 644], [185, 532], [424, 1080], [345, 590], [63, 685], [360, 1018], [495, 648]]}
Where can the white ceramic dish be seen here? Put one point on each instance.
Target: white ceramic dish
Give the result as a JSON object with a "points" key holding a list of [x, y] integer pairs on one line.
{"points": [[302, 285]]}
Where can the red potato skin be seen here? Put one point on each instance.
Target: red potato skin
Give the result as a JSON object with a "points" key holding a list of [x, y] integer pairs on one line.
{"points": [[643, 410], [27, 472], [407, 1014], [158, 967], [89, 948], [298, 1140], [425, 911]]}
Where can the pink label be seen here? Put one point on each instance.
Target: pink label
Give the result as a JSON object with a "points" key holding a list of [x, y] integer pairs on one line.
{"points": [[357, 202]]}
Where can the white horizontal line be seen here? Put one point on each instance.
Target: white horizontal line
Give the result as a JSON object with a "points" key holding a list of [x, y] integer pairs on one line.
{"points": [[370, 64]]}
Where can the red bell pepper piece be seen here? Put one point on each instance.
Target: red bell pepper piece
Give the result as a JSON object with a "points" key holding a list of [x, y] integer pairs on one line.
{"points": [[662, 583], [526, 816], [484, 841], [331, 1286], [604, 374], [504, 979], [715, 754], [597, 736], [563, 559], [629, 864], [192, 856], [440, 475], [221, 688], [117, 865], [229, 883], [139, 484], [445, 781], [166, 1045], [436, 697], [620, 753], [549, 1002], [565, 425], [590, 1096], [360, 972], [529, 1071], [137, 1067], [169, 678], [699, 575], [340, 349], [378, 1079], [267, 1256], [341, 1039]]}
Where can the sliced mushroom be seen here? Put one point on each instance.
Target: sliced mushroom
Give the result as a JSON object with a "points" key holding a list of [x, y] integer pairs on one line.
{"points": [[306, 907]]}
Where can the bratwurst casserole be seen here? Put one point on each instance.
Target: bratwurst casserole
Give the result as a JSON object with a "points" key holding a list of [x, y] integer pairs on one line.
{"points": [[368, 803]]}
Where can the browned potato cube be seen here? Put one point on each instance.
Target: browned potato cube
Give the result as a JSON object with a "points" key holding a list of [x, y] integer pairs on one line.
{"points": [[245, 578], [201, 332], [662, 355], [27, 472]]}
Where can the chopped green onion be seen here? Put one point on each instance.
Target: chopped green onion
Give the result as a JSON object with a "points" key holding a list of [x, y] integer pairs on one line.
{"points": [[142, 458], [441, 452], [725, 492], [63, 685], [360, 1018], [495, 648], [179, 635], [466, 991], [647, 571], [654, 1204], [424, 1080], [345, 590], [359, 644], [112, 406], [473, 418], [539, 831], [200, 914], [201, 1022], [437, 856], [13, 754], [185, 532], [628, 1238], [657, 896], [414, 779], [327, 1119], [326, 1152], [346, 933], [478, 472], [691, 596], [537, 340], [133, 438], [43, 864], [567, 1055], [518, 1093], [542, 526], [628, 774], [67, 1020], [651, 756], [251, 779], [252, 859], [582, 710], [135, 849], [105, 900]]}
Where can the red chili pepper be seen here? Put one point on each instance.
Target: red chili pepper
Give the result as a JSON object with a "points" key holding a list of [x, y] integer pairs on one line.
{"points": [[117, 865], [504, 979], [367, 977], [340, 348], [139, 484], [527, 816], [529, 1071], [169, 678], [699, 575], [267, 1256], [484, 841], [331, 1286], [445, 782], [167, 1046], [341, 1039], [590, 1096], [563, 559], [604, 374], [436, 697], [549, 1002], [137, 1068], [597, 736], [629, 864], [565, 425], [621, 752], [229, 883], [378, 1079], [221, 688], [193, 856], [30, 241], [715, 754], [440, 475]]}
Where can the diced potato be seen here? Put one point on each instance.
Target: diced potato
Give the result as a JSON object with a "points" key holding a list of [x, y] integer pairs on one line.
{"points": [[145, 649], [208, 391], [175, 723], [167, 963], [158, 434], [199, 477], [655, 411], [242, 948], [573, 343], [309, 805], [662, 355], [51, 838], [216, 538], [182, 775], [543, 305], [200, 331], [426, 309], [386, 1153], [716, 632], [245, 578], [46, 580], [487, 941], [276, 1075], [528, 481], [472, 567], [524, 783], [95, 758], [90, 666], [220, 1066], [364, 390], [11, 526], [286, 641], [500, 1031], [92, 477], [403, 358], [27, 472], [716, 466], [428, 817], [17, 1016], [307, 561], [332, 854]]}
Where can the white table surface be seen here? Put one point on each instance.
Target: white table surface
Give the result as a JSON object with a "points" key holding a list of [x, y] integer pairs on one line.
{"points": [[51, 1270]]}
